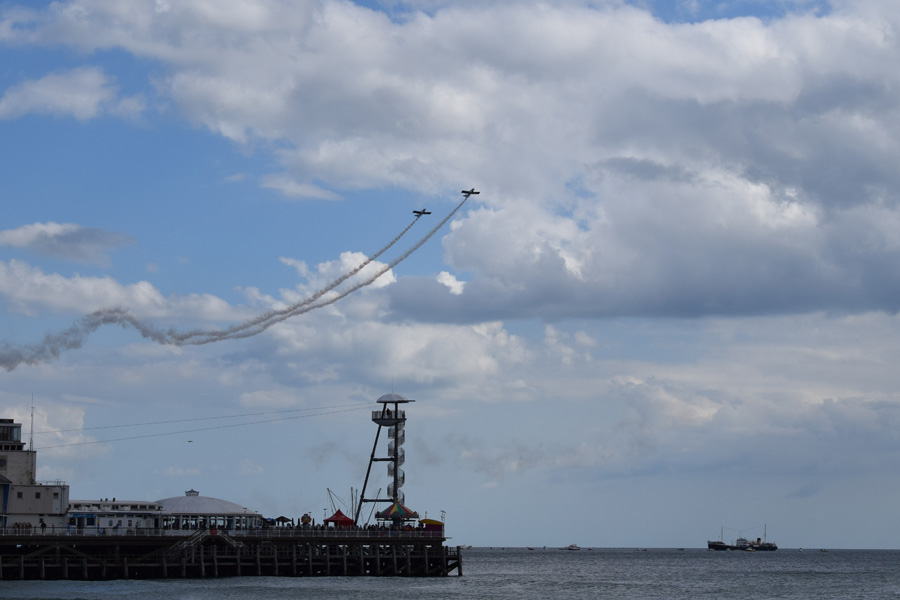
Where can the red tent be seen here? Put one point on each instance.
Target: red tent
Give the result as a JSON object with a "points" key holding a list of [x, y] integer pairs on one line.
{"points": [[340, 520]]}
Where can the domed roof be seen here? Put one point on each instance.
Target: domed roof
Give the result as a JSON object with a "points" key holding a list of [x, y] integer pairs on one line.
{"points": [[192, 503], [392, 397]]}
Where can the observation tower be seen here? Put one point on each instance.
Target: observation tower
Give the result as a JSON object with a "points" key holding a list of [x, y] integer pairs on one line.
{"points": [[390, 415]]}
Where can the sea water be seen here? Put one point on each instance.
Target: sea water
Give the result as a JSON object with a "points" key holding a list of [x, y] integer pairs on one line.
{"points": [[523, 574]]}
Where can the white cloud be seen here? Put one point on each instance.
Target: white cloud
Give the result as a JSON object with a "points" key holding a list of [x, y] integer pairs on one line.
{"points": [[28, 288], [83, 93], [57, 431], [64, 240], [613, 155], [453, 284], [294, 189], [326, 273]]}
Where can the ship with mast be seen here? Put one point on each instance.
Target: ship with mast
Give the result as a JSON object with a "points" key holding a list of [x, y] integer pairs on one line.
{"points": [[742, 543]]}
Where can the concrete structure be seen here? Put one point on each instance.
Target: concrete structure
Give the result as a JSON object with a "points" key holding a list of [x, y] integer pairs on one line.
{"points": [[27, 503]]}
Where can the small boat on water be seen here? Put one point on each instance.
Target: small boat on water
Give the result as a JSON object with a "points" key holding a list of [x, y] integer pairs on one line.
{"points": [[572, 547]]}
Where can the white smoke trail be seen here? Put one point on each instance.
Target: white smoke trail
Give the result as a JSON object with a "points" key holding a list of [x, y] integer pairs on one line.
{"points": [[305, 307], [73, 338], [185, 338]]}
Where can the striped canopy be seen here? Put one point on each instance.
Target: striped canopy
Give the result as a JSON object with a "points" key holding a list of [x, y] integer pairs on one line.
{"points": [[397, 511]]}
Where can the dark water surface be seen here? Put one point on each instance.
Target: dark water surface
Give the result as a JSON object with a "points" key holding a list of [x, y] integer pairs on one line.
{"points": [[522, 574]]}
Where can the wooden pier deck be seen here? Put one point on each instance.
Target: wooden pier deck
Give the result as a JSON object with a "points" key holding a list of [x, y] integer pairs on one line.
{"points": [[212, 553]]}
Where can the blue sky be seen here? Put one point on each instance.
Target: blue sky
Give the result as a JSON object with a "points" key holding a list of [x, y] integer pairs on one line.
{"points": [[672, 308]]}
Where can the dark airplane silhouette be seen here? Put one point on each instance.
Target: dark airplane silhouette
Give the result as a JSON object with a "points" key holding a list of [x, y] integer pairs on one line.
{"points": [[468, 193], [419, 213]]}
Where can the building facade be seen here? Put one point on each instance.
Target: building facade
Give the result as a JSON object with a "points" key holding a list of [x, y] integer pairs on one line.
{"points": [[26, 502]]}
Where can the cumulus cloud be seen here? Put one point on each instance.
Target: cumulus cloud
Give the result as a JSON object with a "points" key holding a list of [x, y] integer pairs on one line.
{"points": [[331, 270], [452, 283], [65, 240], [435, 355], [28, 288], [83, 93], [57, 431], [615, 154]]}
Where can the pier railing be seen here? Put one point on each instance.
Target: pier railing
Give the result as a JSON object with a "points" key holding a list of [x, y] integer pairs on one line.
{"points": [[285, 532], [266, 532]]}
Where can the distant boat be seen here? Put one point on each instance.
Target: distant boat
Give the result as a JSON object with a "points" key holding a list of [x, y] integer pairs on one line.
{"points": [[742, 543], [572, 547]]}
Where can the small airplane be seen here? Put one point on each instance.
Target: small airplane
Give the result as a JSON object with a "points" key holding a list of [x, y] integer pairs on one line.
{"points": [[468, 193], [419, 213]]}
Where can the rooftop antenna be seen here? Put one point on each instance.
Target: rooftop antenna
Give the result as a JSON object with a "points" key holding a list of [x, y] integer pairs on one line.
{"points": [[31, 435]]}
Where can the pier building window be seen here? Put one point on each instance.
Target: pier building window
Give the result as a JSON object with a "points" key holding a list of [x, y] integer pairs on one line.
{"points": [[37, 495]]}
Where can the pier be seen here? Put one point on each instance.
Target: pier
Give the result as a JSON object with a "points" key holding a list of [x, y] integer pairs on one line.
{"points": [[45, 535], [153, 554]]}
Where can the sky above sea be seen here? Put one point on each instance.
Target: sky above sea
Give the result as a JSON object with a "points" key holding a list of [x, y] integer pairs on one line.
{"points": [[672, 307]]}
